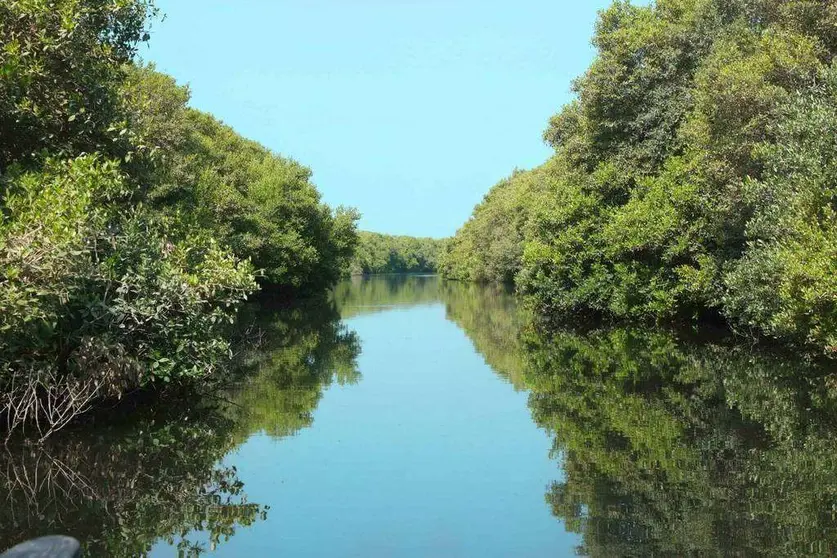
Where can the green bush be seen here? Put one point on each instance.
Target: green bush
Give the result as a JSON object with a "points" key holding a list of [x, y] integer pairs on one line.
{"points": [[131, 225], [692, 176], [98, 298], [60, 66], [263, 206], [383, 253], [786, 283], [489, 247]]}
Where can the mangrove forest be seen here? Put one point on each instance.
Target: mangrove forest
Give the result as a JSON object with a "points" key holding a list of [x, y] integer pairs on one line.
{"points": [[629, 349]]}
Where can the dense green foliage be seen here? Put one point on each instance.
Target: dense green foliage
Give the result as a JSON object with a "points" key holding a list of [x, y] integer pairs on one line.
{"points": [[60, 68], [383, 253], [489, 247], [261, 205], [95, 299], [693, 175], [131, 226]]}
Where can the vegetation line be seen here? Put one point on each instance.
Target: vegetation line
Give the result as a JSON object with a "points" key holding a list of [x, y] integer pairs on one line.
{"points": [[693, 176], [382, 253], [132, 227]]}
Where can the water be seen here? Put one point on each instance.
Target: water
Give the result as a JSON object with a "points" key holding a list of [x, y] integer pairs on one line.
{"points": [[414, 417]]}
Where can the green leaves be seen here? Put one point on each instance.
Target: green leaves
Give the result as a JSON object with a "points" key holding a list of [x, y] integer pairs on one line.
{"points": [[85, 269], [131, 225], [260, 205], [692, 176], [381, 253], [785, 283], [60, 66]]}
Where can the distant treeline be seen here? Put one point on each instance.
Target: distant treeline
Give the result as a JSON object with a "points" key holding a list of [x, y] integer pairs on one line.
{"points": [[382, 253], [131, 226], [694, 175]]}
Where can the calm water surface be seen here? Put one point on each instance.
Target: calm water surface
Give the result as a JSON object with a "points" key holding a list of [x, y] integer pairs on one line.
{"points": [[412, 417]]}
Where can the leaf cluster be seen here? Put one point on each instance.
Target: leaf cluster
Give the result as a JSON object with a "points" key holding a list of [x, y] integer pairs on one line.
{"points": [[132, 227], [691, 177], [381, 253]]}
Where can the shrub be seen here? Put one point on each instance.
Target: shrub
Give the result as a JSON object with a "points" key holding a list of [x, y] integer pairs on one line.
{"points": [[97, 298], [694, 176], [60, 66]]}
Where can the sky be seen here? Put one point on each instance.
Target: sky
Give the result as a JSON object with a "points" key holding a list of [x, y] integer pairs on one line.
{"points": [[408, 110]]}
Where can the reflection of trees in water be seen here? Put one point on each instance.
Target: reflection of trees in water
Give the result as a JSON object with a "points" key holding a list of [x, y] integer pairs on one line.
{"points": [[149, 474], [306, 348], [489, 314], [492, 318], [675, 448], [379, 293], [669, 446], [121, 490]]}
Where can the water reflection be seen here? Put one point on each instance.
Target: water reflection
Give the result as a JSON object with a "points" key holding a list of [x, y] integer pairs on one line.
{"points": [[301, 350], [668, 444], [370, 295], [489, 314], [673, 447], [492, 319], [663, 444], [121, 490], [155, 474]]}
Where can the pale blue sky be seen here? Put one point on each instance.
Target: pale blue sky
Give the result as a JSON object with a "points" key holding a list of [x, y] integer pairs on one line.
{"points": [[409, 110]]}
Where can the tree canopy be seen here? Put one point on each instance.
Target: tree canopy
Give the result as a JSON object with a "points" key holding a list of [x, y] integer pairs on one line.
{"points": [[691, 176], [383, 253], [132, 227]]}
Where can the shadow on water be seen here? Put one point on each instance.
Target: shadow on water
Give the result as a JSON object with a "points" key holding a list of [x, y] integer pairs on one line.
{"points": [[154, 472], [664, 445]]}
